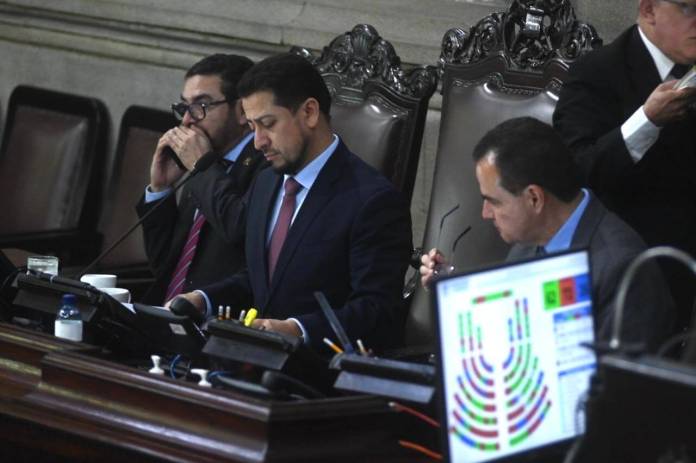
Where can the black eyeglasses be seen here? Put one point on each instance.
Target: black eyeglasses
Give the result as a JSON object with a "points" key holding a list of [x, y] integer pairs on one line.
{"points": [[198, 111], [688, 9]]}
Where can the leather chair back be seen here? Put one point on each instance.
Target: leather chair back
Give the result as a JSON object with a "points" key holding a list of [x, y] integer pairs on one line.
{"points": [[377, 108], [51, 162], [510, 64], [140, 130]]}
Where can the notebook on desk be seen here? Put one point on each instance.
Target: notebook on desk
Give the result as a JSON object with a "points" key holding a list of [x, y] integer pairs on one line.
{"points": [[512, 371]]}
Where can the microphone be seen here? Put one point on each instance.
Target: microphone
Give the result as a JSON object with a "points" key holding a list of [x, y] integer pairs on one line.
{"points": [[628, 276], [60, 280], [202, 164], [181, 306]]}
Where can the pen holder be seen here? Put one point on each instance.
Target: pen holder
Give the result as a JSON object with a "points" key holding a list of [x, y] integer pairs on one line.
{"points": [[395, 379], [231, 340], [233, 343]]}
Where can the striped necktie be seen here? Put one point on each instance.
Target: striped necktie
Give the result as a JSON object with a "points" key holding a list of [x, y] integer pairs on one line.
{"points": [[181, 270]]}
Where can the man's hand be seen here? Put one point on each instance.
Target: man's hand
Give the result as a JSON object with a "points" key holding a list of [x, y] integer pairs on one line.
{"points": [[163, 171], [194, 298], [428, 263], [279, 326], [189, 144], [665, 104]]}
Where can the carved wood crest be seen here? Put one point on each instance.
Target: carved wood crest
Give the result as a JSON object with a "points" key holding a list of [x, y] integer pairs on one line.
{"points": [[361, 55], [529, 35]]}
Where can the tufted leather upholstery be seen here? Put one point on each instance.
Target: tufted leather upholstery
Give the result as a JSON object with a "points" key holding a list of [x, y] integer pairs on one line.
{"points": [[377, 108], [140, 130], [485, 83], [50, 167], [370, 130], [467, 114]]}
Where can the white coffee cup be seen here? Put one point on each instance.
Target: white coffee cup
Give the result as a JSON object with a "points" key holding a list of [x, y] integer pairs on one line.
{"points": [[99, 280], [120, 294]]}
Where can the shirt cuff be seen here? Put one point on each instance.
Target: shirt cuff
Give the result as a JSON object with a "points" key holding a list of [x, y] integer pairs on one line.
{"points": [[208, 305], [305, 337], [151, 196], [639, 134]]}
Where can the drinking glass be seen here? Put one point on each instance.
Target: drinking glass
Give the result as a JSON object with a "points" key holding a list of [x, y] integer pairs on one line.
{"points": [[45, 264]]}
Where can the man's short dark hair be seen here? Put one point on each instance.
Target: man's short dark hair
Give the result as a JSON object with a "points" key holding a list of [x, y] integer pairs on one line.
{"points": [[292, 80], [527, 151], [230, 68]]}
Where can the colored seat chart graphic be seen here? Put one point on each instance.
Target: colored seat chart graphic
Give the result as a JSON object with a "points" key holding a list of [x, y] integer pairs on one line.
{"points": [[526, 401], [566, 291], [525, 392], [475, 421]]}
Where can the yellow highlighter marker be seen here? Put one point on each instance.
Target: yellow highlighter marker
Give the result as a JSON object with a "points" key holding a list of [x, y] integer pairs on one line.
{"points": [[333, 346], [250, 317]]}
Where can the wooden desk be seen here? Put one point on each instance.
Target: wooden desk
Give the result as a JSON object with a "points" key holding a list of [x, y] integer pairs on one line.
{"points": [[58, 402]]}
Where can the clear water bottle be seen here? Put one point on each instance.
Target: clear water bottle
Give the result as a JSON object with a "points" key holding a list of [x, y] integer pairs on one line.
{"points": [[69, 319]]}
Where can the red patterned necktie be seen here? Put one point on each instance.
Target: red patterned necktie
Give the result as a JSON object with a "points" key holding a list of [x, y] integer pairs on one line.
{"points": [[287, 209], [180, 271]]}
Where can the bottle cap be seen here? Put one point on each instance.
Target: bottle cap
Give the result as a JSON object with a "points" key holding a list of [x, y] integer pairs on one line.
{"points": [[69, 298]]}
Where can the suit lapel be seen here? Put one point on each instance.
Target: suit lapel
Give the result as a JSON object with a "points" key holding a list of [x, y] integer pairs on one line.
{"points": [[589, 222], [187, 207], [259, 215], [321, 193], [641, 67], [244, 167]]}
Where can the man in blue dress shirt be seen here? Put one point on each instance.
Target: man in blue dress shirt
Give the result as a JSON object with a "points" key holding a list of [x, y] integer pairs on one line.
{"points": [[320, 219], [531, 191]]}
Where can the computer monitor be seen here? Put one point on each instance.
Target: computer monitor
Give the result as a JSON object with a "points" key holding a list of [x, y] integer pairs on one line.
{"points": [[512, 369]]}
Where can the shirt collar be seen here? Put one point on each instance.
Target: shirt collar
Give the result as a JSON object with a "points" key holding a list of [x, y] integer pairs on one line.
{"points": [[662, 62], [308, 175], [564, 236], [233, 154]]}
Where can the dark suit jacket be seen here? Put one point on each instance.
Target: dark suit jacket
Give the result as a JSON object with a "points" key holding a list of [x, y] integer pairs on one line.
{"points": [[657, 195], [612, 244], [351, 240], [166, 230]]}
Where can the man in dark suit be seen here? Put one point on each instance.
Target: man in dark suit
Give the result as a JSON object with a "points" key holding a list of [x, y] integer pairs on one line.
{"points": [[632, 133], [184, 250], [319, 220], [531, 192]]}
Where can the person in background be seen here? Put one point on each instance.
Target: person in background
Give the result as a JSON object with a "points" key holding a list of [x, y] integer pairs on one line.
{"points": [[632, 133], [531, 191], [320, 219], [185, 249]]}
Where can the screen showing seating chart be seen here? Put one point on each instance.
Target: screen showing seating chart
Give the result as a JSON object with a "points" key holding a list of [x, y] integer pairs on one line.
{"points": [[512, 366]]}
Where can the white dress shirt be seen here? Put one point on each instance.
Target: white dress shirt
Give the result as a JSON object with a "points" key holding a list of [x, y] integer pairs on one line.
{"points": [[639, 133]]}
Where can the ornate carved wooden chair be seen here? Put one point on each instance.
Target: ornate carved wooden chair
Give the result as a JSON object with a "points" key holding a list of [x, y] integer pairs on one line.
{"points": [[509, 64], [51, 163], [378, 108]]}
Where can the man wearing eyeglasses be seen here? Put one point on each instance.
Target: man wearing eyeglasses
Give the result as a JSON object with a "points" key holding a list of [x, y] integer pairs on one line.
{"points": [[632, 133], [185, 248]]}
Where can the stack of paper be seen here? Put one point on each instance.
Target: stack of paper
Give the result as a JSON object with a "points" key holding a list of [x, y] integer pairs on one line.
{"points": [[689, 79]]}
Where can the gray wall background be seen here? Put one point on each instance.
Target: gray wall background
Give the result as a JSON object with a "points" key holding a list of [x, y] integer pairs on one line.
{"points": [[136, 51]]}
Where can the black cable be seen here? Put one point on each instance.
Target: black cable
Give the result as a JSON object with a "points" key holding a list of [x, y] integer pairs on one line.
{"points": [[674, 340]]}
